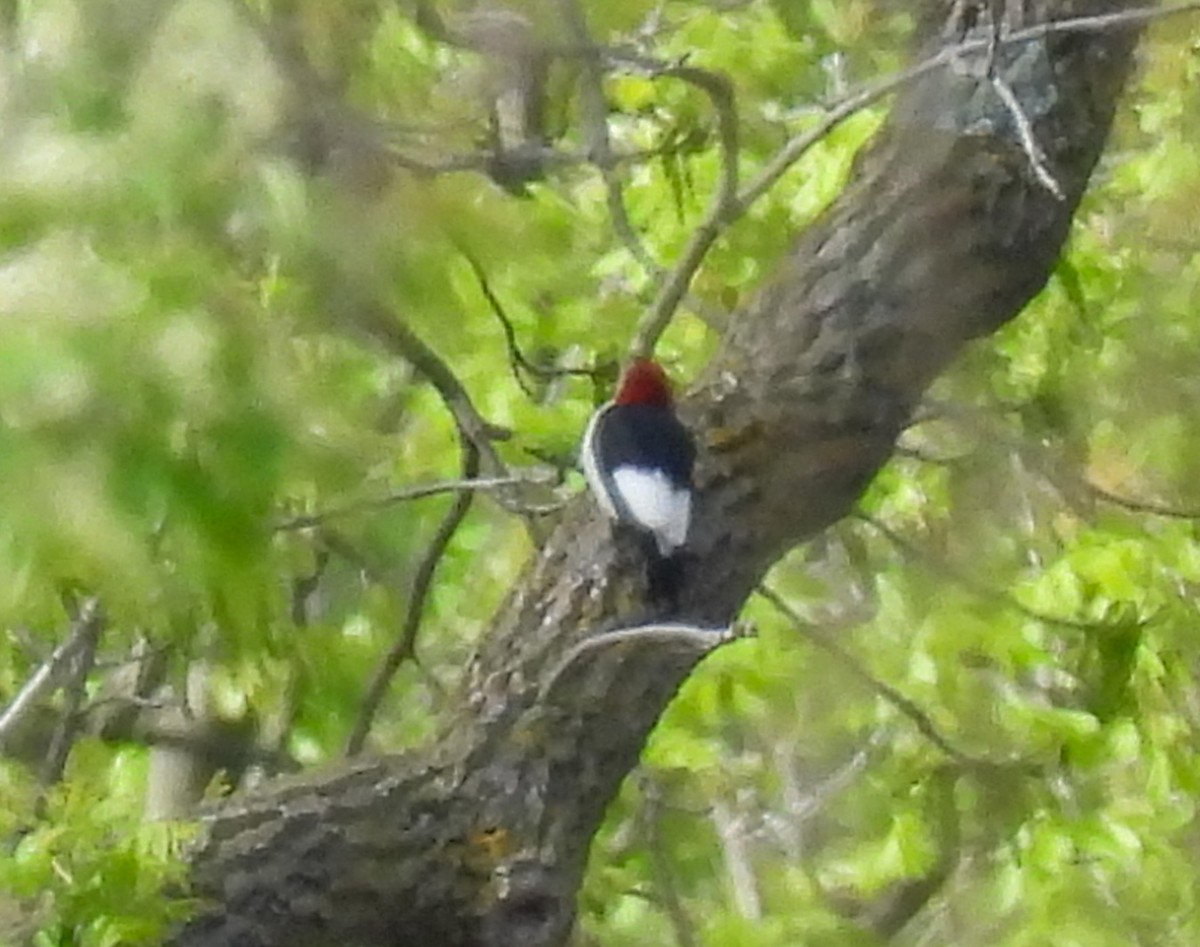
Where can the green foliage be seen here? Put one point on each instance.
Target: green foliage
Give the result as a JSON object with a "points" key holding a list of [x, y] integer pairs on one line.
{"points": [[93, 874], [179, 376], [1029, 620]]}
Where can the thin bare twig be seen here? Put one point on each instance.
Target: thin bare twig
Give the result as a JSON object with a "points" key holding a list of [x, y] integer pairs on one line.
{"points": [[404, 647], [837, 113], [703, 640], [478, 453], [1135, 505], [418, 492], [1029, 142], [966, 582], [662, 873], [722, 206], [398, 338], [618, 213], [730, 827], [518, 361], [919, 718], [594, 113]]}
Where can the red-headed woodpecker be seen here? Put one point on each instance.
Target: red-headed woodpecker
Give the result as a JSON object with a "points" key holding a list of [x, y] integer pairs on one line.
{"points": [[638, 459]]}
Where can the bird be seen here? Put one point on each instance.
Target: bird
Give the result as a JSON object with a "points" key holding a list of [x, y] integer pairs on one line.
{"points": [[638, 457]]}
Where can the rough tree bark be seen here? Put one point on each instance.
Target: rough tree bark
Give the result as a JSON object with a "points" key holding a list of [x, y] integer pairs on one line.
{"points": [[942, 235]]}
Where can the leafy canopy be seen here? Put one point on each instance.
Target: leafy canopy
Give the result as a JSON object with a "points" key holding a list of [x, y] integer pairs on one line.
{"points": [[178, 380]]}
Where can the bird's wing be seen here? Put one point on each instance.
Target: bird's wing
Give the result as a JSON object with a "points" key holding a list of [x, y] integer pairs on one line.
{"points": [[656, 504]]}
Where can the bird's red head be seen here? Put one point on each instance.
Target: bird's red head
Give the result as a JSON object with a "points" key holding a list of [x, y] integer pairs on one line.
{"points": [[644, 382]]}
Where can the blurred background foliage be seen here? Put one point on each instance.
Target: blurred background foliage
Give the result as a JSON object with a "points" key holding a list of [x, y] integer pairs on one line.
{"points": [[975, 702]]}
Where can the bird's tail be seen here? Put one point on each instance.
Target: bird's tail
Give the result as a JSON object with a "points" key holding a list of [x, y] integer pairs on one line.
{"points": [[664, 574]]}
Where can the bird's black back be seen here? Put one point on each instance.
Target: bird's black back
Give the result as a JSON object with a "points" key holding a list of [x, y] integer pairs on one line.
{"points": [[648, 436]]}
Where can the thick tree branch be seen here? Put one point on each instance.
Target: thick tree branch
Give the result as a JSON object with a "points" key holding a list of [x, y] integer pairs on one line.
{"points": [[728, 206], [855, 102], [941, 236]]}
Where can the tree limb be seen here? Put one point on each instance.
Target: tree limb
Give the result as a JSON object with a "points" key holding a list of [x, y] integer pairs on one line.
{"points": [[87, 623], [44, 679], [536, 476], [480, 839], [405, 644], [908, 708], [727, 207], [721, 207]]}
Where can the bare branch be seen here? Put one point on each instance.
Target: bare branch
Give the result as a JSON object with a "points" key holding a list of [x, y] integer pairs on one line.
{"points": [[976, 588], [518, 361], [43, 680], [919, 718], [594, 110], [87, 623], [722, 207], [702, 640], [795, 149], [662, 873], [1135, 505], [536, 476], [478, 453], [404, 646], [614, 195], [730, 826], [402, 341], [1033, 151], [728, 205]]}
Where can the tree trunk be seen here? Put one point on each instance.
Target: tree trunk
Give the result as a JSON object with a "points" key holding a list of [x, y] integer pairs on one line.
{"points": [[942, 235]]}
